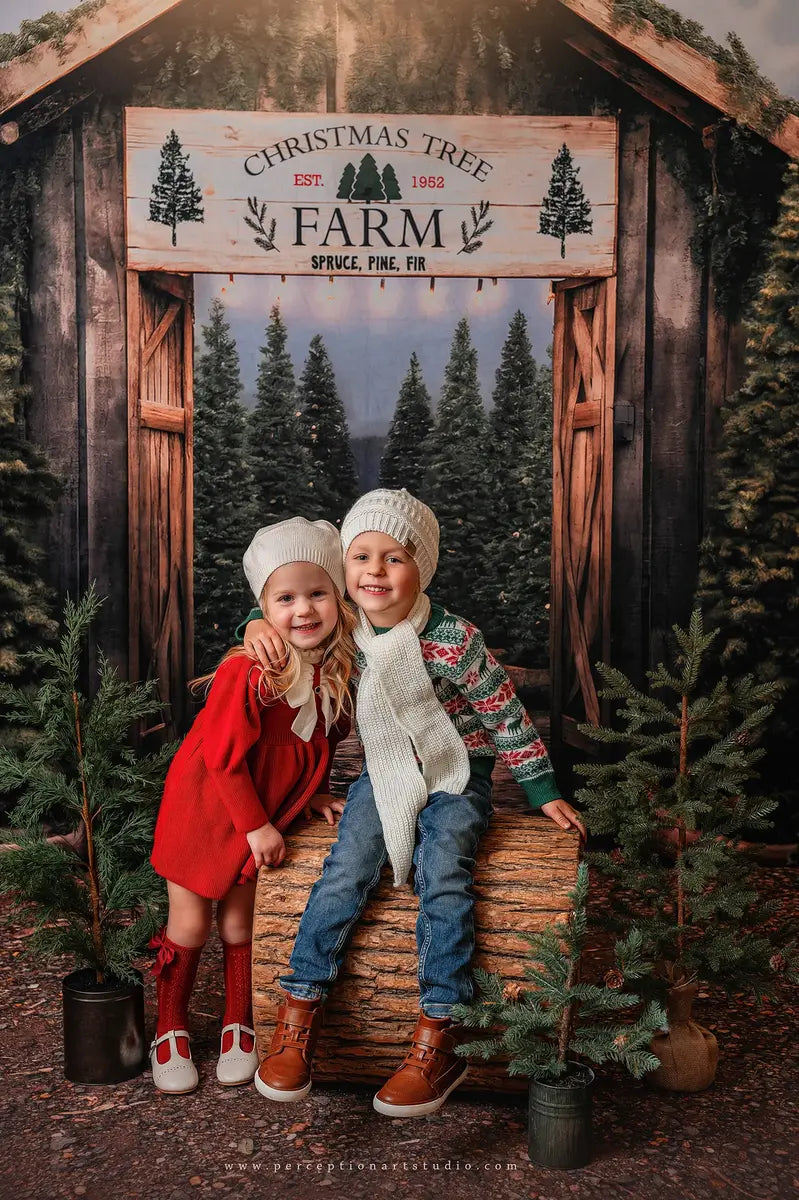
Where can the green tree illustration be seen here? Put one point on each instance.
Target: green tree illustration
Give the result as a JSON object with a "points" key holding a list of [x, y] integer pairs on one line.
{"points": [[334, 479], [565, 209], [27, 497], [749, 567], [368, 185], [345, 183], [403, 461], [224, 512], [175, 196], [514, 588], [279, 464], [391, 184], [456, 480]]}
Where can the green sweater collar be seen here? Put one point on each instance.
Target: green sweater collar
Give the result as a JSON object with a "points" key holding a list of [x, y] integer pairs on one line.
{"points": [[436, 615]]}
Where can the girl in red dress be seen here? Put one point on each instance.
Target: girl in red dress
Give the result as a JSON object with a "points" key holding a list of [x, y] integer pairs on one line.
{"points": [[256, 757]]}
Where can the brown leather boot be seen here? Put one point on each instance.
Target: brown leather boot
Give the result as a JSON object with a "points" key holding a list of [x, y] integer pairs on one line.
{"points": [[429, 1072], [285, 1073]]}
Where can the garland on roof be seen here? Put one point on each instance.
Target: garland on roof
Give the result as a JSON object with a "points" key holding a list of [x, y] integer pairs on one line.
{"points": [[761, 104]]}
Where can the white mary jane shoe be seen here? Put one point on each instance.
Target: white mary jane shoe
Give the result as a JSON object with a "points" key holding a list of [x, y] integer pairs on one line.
{"points": [[177, 1075], [236, 1065]]}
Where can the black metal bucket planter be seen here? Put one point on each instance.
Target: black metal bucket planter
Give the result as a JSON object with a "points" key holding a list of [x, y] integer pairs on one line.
{"points": [[560, 1120], [103, 1029]]}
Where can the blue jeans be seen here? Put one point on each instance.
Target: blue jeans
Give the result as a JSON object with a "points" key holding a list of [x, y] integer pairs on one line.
{"points": [[448, 830]]}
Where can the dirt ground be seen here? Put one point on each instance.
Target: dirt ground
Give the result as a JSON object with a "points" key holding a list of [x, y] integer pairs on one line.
{"points": [[129, 1141]]}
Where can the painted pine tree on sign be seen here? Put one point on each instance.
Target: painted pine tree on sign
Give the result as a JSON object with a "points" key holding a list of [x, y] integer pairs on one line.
{"points": [[175, 197], [346, 182], [368, 184], [565, 209], [391, 184]]}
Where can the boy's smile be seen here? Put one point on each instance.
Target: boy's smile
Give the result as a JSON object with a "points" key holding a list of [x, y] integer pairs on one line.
{"points": [[382, 578]]}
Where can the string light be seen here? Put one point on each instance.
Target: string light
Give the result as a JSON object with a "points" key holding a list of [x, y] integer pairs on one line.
{"points": [[382, 285], [432, 283], [479, 285]]}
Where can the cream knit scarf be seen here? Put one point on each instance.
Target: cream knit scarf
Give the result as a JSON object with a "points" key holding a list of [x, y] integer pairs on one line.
{"points": [[400, 720]]}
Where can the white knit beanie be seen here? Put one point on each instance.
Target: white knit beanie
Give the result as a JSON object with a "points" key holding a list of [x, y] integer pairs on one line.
{"points": [[402, 517], [295, 540]]}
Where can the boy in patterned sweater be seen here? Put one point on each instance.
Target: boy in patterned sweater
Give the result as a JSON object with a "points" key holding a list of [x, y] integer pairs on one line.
{"points": [[433, 706]]}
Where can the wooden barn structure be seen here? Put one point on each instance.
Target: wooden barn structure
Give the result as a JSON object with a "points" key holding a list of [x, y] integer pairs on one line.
{"points": [[642, 358]]}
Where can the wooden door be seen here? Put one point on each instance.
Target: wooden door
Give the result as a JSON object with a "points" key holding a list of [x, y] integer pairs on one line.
{"points": [[582, 470], [160, 339]]}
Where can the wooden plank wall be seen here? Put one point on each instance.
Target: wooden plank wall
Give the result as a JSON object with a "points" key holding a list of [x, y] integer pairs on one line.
{"points": [[106, 376], [676, 404], [53, 356], [78, 411], [629, 577]]}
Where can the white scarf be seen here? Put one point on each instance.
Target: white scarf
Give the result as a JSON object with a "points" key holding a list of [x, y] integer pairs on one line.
{"points": [[400, 719], [301, 696]]}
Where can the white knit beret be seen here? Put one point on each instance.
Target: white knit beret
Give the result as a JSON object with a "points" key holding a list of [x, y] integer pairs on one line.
{"points": [[402, 517], [295, 540]]}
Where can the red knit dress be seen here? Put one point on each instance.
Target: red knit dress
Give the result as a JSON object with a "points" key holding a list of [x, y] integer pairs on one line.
{"points": [[239, 766]]}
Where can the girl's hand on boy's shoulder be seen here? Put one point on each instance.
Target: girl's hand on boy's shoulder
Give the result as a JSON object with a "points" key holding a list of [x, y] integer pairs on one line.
{"points": [[267, 845], [564, 815], [325, 806], [262, 641]]}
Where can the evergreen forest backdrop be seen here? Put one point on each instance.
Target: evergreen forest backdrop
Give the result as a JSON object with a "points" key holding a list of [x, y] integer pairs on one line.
{"points": [[487, 474]]}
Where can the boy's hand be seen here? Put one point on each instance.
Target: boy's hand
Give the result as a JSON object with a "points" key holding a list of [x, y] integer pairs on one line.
{"points": [[325, 805], [564, 815], [267, 845], [262, 641]]}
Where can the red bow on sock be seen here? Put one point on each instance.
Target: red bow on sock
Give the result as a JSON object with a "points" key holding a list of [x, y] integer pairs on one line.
{"points": [[165, 950]]}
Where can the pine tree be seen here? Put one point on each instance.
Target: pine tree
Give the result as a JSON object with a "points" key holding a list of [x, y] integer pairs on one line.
{"points": [[175, 197], [749, 568], [403, 461], [560, 1015], [27, 495], [456, 482], [368, 185], [565, 209], [514, 591], [280, 470], [326, 435], [345, 184], [224, 513], [674, 800], [391, 184], [80, 766]]}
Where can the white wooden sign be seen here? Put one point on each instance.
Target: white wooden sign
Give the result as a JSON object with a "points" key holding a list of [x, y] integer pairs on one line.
{"points": [[342, 194]]}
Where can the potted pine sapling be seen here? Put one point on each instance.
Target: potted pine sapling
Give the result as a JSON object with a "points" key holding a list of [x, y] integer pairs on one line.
{"points": [[675, 799], [95, 898], [548, 1028]]}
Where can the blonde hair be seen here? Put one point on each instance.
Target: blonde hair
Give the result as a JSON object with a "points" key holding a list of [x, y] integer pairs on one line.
{"points": [[275, 681]]}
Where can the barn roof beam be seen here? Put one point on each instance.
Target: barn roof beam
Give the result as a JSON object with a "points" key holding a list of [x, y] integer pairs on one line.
{"points": [[682, 64]]}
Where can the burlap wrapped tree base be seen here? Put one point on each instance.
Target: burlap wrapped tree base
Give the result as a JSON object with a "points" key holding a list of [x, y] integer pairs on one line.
{"points": [[525, 868], [688, 1053]]}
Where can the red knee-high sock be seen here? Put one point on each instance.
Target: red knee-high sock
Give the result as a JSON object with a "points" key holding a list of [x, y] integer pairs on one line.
{"points": [[238, 991], [175, 970]]}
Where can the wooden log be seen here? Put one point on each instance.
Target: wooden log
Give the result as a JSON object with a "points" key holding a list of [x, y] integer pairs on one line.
{"points": [[525, 867]]}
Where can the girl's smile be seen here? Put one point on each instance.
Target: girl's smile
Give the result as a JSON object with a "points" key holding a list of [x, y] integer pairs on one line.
{"points": [[300, 602]]}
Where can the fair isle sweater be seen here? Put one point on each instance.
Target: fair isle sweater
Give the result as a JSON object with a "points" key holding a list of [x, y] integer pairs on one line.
{"points": [[481, 702]]}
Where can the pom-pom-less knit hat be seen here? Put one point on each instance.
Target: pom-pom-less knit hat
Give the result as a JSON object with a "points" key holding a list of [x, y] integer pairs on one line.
{"points": [[295, 540], [402, 517]]}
